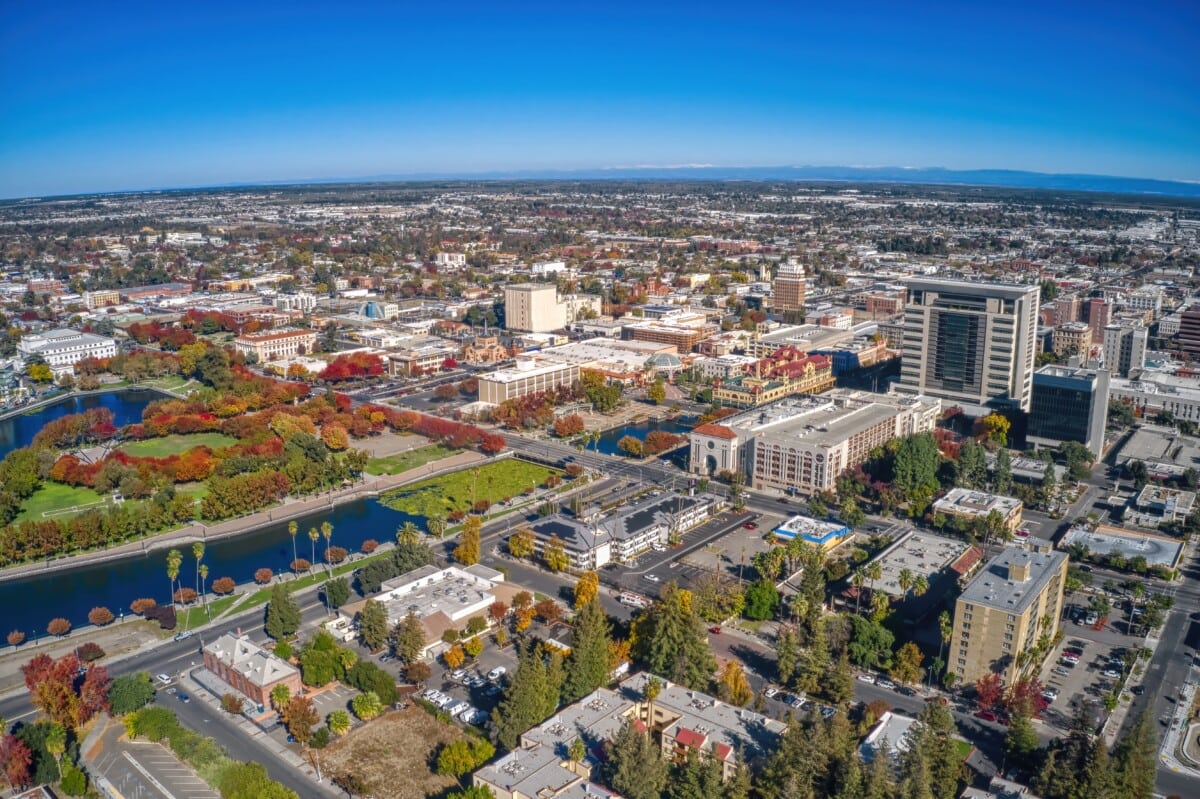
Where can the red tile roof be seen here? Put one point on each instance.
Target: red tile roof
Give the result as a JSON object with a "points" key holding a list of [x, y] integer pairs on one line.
{"points": [[690, 738], [715, 430]]}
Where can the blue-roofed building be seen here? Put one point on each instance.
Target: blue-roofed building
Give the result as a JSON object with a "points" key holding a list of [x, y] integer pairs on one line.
{"points": [[824, 535]]}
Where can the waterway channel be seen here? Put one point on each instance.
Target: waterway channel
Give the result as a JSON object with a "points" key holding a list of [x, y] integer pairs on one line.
{"points": [[127, 406]]}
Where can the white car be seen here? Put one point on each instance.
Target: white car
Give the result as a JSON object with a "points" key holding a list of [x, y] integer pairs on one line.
{"points": [[458, 674], [444, 701], [652, 578], [497, 673], [885, 683], [457, 707], [163, 678], [867, 678], [771, 692]]}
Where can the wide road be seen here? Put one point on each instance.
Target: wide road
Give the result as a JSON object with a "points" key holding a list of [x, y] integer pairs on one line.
{"points": [[173, 657]]}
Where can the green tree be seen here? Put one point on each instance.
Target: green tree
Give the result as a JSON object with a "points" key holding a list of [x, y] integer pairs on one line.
{"points": [[787, 653], [408, 638], [280, 696], [338, 722], [971, 467], [373, 625], [337, 592], [366, 705], [1135, 760], [467, 551], [733, 685], [670, 640], [696, 778], [635, 768], [762, 598], [657, 393], [914, 467], [587, 666], [870, 643], [459, 758], [851, 513], [283, 614], [531, 696], [130, 692], [555, 556], [1002, 475], [1020, 741]]}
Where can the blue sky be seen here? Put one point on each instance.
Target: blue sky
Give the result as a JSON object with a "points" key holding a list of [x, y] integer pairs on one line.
{"points": [[129, 95]]}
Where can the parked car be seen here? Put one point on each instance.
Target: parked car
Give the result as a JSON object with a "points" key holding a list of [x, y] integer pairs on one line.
{"points": [[867, 678], [1091, 619], [770, 693], [750, 526], [493, 690], [886, 683], [1112, 674], [652, 578], [715, 629], [457, 707], [986, 715], [1061, 672], [497, 673], [183, 697], [458, 674]]}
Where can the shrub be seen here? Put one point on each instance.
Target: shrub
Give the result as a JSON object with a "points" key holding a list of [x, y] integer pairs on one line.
{"points": [[89, 652], [152, 723], [185, 596], [283, 650], [232, 704], [335, 554], [100, 616], [58, 626], [74, 781], [223, 585], [164, 616], [16, 638], [140, 606], [574, 470], [263, 576], [369, 546], [298, 565], [366, 706], [130, 692]]}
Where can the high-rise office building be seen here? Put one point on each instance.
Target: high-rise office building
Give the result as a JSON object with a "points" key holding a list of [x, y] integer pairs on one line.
{"points": [[1188, 336], [789, 291], [1069, 405], [970, 343], [1124, 348], [1096, 312], [538, 308]]}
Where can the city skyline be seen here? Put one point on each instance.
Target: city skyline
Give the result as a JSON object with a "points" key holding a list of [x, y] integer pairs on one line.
{"points": [[147, 97]]}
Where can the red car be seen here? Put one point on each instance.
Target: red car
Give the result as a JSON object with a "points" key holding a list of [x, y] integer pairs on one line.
{"points": [[986, 715], [750, 526], [715, 630]]}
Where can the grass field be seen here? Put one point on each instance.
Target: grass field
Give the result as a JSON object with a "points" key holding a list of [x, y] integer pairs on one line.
{"points": [[173, 445], [459, 490], [403, 461], [195, 616], [56, 497], [193, 490]]}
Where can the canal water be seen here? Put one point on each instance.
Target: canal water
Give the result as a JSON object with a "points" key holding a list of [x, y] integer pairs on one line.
{"points": [[70, 594], [680, 425], [127, 407]]}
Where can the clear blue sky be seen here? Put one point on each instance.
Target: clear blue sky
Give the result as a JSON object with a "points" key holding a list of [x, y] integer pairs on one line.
{"points": [[101, 96]]}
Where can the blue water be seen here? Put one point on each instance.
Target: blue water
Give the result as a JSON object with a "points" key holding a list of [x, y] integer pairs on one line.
{"points": [[608, 441], [127, 407], [71, 594]]}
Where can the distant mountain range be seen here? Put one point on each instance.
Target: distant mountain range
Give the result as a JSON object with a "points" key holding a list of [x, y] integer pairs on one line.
{"points": [[845, 174]]}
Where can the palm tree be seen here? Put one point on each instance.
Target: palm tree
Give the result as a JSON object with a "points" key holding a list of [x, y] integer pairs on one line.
{"points": [[204, 584], [651, 692], [946, 628], [858, 580], [313, 535], [874, 572], [327, 531], [293, 528], [905, 580], [408, 533], [920, 585], [198, 554], [174, 560]]}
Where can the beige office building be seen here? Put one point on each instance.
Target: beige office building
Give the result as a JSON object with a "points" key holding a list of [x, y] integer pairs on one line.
{"points": [[537, 307], [788, 291], [527, 377], [273, 346], [1004, 611], [1072, 338], [971, 344]]}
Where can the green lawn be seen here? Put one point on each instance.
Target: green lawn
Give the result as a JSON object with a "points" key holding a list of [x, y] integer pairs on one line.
{"points": [[195, 616], [403, 461], [175, 444], [963, 748], [458, 490], [262, 595], [56, 497], [196, 491]]}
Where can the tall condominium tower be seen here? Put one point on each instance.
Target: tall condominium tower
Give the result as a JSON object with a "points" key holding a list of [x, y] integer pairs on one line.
{"points": [[789, 291], [972, 344]]}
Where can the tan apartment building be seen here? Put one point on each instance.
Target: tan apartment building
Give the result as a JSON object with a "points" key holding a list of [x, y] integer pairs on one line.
{"points": [[538, 308], [683, 331], [1072, 338], [101, 298], [1004, 611], [527, 377], [272, 346]]}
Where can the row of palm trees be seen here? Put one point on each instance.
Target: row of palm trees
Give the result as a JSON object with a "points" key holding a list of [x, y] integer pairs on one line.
{"points": [[175, 562], [314, 535], [872, 572]]}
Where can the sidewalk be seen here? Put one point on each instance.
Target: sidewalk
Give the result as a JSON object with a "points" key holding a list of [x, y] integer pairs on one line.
{"points": [[290, 508]]}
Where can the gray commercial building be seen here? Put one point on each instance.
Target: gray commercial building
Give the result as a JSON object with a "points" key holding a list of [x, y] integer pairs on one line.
{"points": [[1069, 404], [971, 344]]}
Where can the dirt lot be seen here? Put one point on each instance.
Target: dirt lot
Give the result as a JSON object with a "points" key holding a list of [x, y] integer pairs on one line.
{"points": [[393, 755]]}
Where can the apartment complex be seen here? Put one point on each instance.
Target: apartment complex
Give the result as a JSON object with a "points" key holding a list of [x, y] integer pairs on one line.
{"points": [[273, 346], [1124, 348], [802, 444], [1004, 610], [63, 348], [249, 669], [538, 308], [101, 298], [682, 722], [971, 505], [788, 291], [1072, 339], [1069, 404], [970, 343], [681, 330]]}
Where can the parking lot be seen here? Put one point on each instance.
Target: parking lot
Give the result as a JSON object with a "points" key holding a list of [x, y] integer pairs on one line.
{"points": [[140, 770], [1088, 665]]}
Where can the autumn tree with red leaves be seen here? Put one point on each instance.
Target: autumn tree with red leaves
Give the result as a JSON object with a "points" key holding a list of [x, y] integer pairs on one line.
{"points": [[989, 691], [52, 689]]}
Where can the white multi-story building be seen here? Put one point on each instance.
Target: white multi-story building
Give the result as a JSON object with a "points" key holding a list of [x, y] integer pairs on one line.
{"points": [[273, 346], [548, 267], [970, 343], [63, 348], [802, 444], [724, 366], [529, 376], [303, 302], [454, 259], [1124, 348], [1153, 394]]}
